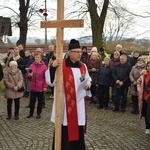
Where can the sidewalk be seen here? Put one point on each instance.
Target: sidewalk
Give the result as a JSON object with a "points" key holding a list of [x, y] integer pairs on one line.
{"points": [[106, 130]]}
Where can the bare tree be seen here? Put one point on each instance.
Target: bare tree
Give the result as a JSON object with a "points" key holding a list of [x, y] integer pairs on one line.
{"points": [[101, 23], [23, 22], [37, 41], [118, 23], [20, 19], [27, 18], [97, 21], [97, 17]]}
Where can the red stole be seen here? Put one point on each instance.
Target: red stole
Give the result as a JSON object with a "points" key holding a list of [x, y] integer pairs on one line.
{"points": [[145, 92], [71, 102]]}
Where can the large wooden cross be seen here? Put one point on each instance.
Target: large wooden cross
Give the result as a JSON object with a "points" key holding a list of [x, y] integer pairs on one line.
{"points": [[60, 24]]}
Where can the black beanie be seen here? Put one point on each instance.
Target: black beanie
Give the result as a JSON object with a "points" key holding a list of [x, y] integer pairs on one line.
{"points": [[74, 44], [102, 49]]}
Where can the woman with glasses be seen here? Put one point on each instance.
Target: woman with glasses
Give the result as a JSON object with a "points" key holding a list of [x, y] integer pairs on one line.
{"points": [[93, 68]]}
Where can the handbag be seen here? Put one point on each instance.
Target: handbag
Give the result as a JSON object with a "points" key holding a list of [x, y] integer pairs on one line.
{"points": [[22, 89]]}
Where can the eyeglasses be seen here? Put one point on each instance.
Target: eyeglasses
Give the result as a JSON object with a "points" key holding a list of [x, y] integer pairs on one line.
{"points": [[77, 52]]}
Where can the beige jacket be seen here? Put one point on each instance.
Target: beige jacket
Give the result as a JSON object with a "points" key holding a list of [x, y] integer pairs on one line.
{"points": [[134, 76], [11, 79]]}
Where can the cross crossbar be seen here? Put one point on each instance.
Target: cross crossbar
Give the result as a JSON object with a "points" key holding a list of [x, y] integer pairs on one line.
{"points": [[62, 24]]}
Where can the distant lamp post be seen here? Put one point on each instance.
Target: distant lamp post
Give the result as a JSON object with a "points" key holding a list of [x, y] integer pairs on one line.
{"points": [[45, 14]]}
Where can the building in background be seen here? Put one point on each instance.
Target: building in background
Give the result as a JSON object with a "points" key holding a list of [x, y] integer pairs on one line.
{"points": [[5, 30]]}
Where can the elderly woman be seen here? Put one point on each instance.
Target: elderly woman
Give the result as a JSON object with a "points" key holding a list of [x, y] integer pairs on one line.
{"points": [[13, 81], [104, 79], [93, 68], [36, 75], [134, 76]]}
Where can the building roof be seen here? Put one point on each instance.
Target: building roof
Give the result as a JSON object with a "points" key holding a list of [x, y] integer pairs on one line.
{"points": [[5, 26]]}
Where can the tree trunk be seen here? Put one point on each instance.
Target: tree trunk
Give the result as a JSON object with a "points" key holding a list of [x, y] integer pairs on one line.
{"points": [[97, 22], [23, 23]]}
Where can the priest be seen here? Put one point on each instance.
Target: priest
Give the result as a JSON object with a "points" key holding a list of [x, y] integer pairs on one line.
{"points": [[75, 87]]}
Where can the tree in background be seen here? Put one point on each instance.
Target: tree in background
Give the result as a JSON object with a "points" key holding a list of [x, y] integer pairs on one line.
{"points": [[94, 13], [107, 19], [23, 22], [38, 41], [21, 19], [27, 17], [97, 21], [118, 23]]}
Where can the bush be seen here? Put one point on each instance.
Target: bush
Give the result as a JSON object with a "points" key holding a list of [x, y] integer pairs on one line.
{"points": [[2, 87]]}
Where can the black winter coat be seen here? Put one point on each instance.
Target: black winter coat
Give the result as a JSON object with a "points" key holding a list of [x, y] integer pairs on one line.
{"points": [[104, 76], [1, 72], [121, 72], [25, 62]]}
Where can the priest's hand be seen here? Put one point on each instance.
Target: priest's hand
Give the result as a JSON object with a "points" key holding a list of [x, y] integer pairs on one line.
{"points": [[57, 62], [86, 87]]}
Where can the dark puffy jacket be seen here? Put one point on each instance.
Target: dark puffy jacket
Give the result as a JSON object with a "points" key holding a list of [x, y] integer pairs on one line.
{"points": [[1, 72], [25, 62], [134, 60], [104, 76], [121, 72]]}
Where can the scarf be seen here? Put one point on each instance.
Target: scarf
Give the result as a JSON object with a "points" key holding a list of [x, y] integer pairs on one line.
{"points": [[71, 101]]}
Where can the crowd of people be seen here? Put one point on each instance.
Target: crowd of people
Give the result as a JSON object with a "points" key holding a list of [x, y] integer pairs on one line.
{"points": [[27, 70], [103, 77], [118, 77]]}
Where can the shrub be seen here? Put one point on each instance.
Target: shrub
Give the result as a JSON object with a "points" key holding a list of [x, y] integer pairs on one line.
{"points": [[2, 87]]}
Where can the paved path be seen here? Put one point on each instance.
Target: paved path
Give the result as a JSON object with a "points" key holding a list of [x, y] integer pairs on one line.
{"points": [[107, 130]]}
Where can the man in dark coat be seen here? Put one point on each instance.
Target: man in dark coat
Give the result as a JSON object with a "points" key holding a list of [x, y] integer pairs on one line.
{"points": [[85, 55], [16, 57], [121, 77], [21, 50], [26, 81], [50, 53]]}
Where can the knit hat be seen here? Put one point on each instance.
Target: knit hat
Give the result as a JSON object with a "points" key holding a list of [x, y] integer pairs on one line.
{"points": [[102, 49], [13, 63], [11, 48], [136, 51], [84, 47], [73, 44], [141, 58], [94, 49]]}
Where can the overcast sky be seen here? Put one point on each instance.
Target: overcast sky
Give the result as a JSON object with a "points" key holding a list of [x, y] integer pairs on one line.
{"points": [[138, 6]]}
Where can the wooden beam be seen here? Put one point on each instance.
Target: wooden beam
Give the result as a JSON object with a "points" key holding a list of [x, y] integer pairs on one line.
{"points": [[62, 24], [59, 77]]}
